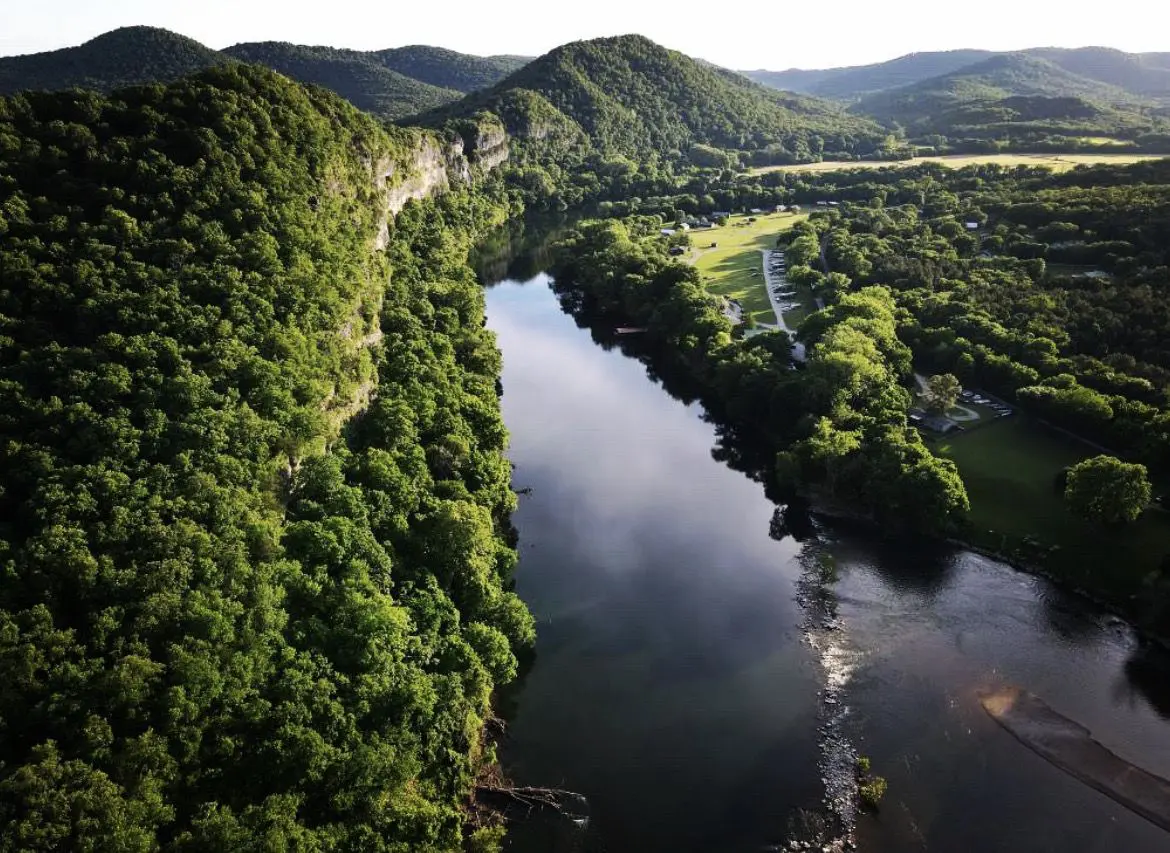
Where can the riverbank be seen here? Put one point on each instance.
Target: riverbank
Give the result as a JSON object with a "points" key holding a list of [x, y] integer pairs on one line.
{"points": [[767, 406]]}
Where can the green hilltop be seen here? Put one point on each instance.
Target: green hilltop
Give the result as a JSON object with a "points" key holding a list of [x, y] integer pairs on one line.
{"points": [[448, 69], [629, 97], [390, 83], [118, 58], [248, 603], [358, 77]]}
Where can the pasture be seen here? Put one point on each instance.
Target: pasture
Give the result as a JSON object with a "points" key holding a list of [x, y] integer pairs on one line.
{"points": [[1009, 468], [1056, 162], [735, 267]]}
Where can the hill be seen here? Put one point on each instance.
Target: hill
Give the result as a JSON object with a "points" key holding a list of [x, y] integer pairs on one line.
{"points": [[852, 82], [388, 83], [448, 69], [1145, 75], [629, 97], [1141, 74], [118, 58], [242, 590], [359, 77], [1016, 93]]}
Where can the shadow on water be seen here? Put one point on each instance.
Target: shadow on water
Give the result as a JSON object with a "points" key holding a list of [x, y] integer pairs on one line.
{"points": [[519, 250], [909, 566], [1147, 675], [1069, 615]]}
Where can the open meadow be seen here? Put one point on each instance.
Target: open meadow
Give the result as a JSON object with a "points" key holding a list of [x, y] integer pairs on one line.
{"points": [[1056, 162], [1009, 468], [735, 267]]}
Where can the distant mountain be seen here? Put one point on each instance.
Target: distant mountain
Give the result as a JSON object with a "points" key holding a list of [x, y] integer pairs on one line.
{"points": [[448, 69], [852, 82], [121, 57], [1006, 90], [373, 81], [1144, 75], [628, 96], [361, 78]]}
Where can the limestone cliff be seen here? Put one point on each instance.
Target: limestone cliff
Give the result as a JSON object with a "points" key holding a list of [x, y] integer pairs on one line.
{"points": [[431, 163]]}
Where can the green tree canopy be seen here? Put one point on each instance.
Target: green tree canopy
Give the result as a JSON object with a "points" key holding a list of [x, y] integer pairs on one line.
{"points": [[1106, 490], [942, 393]]}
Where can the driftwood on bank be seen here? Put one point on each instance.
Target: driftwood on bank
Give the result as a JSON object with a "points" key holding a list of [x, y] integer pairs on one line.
{"points": [[508, 799]]}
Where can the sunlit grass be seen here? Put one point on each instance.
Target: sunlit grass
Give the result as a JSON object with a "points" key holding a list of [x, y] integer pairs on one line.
{"points": [[1009, 468], [1056, 162], [735, 268]]}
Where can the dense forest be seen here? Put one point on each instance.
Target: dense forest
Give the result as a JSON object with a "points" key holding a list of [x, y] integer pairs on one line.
{"points": [[1046, 289], [358, 77], [448, 69], [390, 84], [255, 538], [121, 57], [627, 97]]}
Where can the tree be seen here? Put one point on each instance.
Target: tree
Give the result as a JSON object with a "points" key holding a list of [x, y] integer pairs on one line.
{"points": [[942, 392], [1106, 490]]}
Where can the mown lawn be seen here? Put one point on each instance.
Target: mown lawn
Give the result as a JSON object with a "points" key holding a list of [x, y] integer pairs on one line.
{"points": [[728, 269], [1056, 162], [1009, 468]]}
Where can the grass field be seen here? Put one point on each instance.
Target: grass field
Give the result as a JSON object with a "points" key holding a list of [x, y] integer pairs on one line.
{"points": [[1009, 468], [1056, 162], [735, 268]]}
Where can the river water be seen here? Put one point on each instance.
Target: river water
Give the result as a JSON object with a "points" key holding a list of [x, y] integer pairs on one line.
{"points": [[706, 684]]}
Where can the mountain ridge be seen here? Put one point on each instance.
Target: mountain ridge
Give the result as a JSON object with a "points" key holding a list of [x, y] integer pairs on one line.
{"points": [[380, 81], [669, 104], [1143, 74]]}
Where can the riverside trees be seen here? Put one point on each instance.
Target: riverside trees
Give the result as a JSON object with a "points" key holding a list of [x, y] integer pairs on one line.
{"points": [[1106, 490], [837, 429]]}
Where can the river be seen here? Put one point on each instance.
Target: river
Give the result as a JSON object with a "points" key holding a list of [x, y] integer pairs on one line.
{"points": [[702, 682]]}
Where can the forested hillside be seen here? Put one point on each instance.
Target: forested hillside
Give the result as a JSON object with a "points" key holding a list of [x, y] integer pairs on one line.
{"points": [[390, 83], [975, 100], [1014, 94], [448, 69], [627, 97], [120, 57], [1139, 74], [254, 520], [358, 77]]}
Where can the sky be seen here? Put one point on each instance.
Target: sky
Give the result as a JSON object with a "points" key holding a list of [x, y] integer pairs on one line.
{"points": [[744, 34]]}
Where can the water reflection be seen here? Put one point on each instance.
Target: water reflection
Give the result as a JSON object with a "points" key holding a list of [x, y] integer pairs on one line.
{"points": [[1147, 674], [671, 685]]}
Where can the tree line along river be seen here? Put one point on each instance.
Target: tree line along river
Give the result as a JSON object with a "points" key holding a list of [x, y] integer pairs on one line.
{"points": [[706, 682]]}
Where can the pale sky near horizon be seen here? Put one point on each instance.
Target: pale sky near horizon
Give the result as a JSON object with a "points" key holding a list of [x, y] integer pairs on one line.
{"points": [[746, 34]]}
